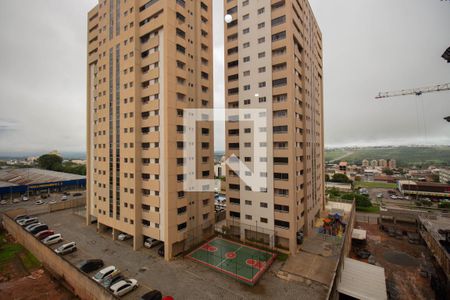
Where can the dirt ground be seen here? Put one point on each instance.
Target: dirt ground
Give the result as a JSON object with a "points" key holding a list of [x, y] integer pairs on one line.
{"points": [[402, 262], [19, 280]]}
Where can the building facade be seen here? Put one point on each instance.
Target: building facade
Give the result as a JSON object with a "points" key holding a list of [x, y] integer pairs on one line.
{"points": [[444, 176], [392, 164], [148, 61], [273, 61]]}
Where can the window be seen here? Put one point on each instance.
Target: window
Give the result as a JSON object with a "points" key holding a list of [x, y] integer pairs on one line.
{"points": [[248, 217], [263, 205], [182, 226], [248, 202], [261, 11], [263, 220]]}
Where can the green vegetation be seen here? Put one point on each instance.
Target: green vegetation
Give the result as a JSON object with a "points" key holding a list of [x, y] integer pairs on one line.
{"points": [[9, 251], [405, 156], [55, 162], [444, 204], [335, 154], [363, 202], [374, 184], [341, 178]]}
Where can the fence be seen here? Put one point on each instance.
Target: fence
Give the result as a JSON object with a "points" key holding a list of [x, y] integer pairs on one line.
{"points": [[80, 283]]}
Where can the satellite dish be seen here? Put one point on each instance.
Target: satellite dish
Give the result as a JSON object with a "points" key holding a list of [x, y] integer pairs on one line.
{"points": [[228, 19], [256, 95]]}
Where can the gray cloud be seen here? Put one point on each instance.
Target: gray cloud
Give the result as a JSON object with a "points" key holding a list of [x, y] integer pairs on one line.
{"points": [[369, 46]]}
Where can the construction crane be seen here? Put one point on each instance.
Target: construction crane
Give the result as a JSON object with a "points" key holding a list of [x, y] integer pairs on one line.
{"points": [[417, 91]]}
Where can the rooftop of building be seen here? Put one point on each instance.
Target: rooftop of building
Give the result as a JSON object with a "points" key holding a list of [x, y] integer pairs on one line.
{"points": [[420, 183], [320, 252], [28, 176]]}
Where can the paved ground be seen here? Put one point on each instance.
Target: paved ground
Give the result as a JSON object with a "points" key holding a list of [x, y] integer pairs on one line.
{"points": [[181, 278]]}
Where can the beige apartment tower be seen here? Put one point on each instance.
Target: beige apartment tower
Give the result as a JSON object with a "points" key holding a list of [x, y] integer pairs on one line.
{"points": [[273, 61], [148, 61]]}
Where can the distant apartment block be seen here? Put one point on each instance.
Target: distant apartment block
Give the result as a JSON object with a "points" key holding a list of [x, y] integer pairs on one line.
{"points": [[365, 163], [444, 176], [148, 61], [273, 61], [382, 163], [392, 164], [374, 163]]}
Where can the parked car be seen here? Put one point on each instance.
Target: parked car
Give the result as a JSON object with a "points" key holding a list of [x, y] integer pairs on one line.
{"points": [[39, 202], [20, 217], [152, 295], [52, 202], [44, 196], [43, 234], [26, 222], [123, 237], [112, 279], [25, 198], [77, 194], [64, 198], [161, 251], [103, 273], [39, 228], [123, 287], [3, 202], [150, 242], [31, 226], [67, 193], [16, 200], [66, 248], [52, 239], [90, 265]]}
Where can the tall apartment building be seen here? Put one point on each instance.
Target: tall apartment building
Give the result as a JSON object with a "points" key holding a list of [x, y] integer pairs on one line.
{"points": [[148, 61], [273, 61]]}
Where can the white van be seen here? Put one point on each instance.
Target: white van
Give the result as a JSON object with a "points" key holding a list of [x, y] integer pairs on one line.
{"points": [[53, 239], [26, 222], [103, 273], [66, 248]]}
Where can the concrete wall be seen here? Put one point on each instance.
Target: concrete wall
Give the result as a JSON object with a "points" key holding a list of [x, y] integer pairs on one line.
{"points": [[79, 283]]}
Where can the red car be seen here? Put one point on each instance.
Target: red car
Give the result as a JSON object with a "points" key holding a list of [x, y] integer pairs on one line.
{"points": [[43, 234]]}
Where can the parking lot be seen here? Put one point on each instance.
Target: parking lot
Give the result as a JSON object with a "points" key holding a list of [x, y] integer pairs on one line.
{"points": [[180, 278], [33, 208]]}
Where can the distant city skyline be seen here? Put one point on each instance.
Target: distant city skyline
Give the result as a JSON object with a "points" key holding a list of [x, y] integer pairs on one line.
{"points": [[372, 46]]}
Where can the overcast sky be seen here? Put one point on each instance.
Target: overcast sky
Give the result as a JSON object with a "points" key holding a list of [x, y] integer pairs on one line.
{"points": [[369, 46]]}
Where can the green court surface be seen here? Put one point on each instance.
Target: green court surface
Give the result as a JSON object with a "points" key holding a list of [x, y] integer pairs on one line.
{"points": [[244, 263]]}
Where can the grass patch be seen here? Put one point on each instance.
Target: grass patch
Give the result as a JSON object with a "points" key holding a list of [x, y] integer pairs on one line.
{"points": [[380, 185], [8, 251], [29, 261], [372, 209]]}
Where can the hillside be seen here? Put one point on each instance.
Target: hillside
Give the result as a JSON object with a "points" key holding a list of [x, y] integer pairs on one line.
{"points": [[405, 156]]}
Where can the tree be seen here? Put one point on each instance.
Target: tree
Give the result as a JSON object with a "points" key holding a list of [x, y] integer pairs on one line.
{"points": [[388, 171], [342, 178], [50, 162], [327, 178]]}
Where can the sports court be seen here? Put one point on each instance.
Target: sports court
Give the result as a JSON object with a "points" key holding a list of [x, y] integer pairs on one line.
{"points": [[244, 263]]}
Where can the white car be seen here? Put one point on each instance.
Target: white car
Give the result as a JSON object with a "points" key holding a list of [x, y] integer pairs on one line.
{"points": [[123, 287], [39, 202], [64, 198], [52, 202], [28, 221], [123, 236], [16, 200], [66, 248], [150, 242], [24, 198], [52, 239], [104, 273], [32, 226], [3, 202]]}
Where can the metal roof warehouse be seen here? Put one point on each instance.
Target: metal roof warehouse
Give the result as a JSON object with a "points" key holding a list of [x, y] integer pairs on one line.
{"points": [[21, 181]]}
